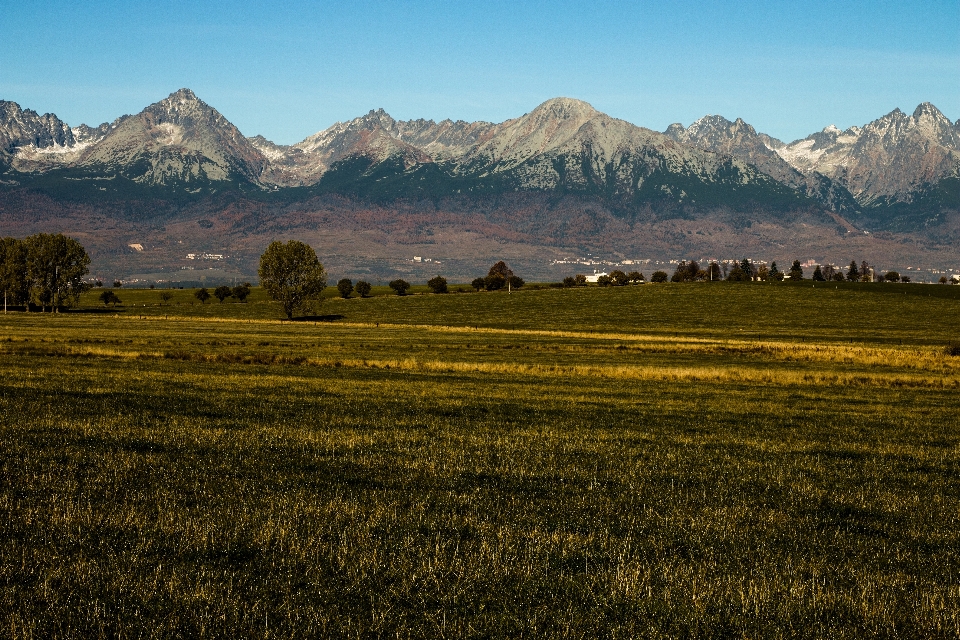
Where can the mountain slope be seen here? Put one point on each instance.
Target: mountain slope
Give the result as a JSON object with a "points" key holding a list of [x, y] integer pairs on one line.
{"points": [[887, 161]]}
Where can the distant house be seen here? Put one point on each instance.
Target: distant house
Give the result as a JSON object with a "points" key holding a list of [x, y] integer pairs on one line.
{"points": [[596, 276]]}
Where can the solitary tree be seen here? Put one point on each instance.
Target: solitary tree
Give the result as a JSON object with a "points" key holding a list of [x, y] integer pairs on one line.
{"points": [[363, 288], [202, 295], [241, 292], [222, 293], [659, 276], [109, 297], [437, 284], [165, 296], [292, 275], [345, 287], [400, 286], [892, 276]]}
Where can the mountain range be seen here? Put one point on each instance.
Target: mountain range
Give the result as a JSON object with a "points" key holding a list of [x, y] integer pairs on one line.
{"points": [[564, 179]]}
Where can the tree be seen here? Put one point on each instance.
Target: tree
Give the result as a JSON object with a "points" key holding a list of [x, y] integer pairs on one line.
{"points": [[241, 292], [580, 279], [363, 288], [737, 274], [109, 297], [865, 272], [117, 284], [516, 282], [56, 266], [13, 271], [222, 293], [796, 271], [818, 275], [437, 284], [943, 280], [494, 282], [605, 280], [292, 275], [763, 273], [345, 287], [659, 276], [713, 272], [904, 278], [619, 278], [837, 276], [853, 274], [635, 277], [570, 282], [892, 276], [400, 286], [748, 269], [500, 269], [775, 274], [828, 272], [165, 296], [202, 295], [478, 283]]}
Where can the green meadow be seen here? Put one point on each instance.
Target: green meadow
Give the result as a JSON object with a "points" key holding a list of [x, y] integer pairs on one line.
{"points": [[678, 460]]}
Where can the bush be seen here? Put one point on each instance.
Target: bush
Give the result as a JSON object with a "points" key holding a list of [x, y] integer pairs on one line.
{"points": [[400, 286], [659, 276], [345, 287], [362, 288], [437, 284]]}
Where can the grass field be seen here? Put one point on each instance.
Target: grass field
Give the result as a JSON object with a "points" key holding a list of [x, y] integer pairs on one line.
{"points": [[655, 461]]}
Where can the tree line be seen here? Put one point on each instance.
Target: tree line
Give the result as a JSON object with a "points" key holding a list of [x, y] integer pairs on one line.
{"points": [[43, 271]]}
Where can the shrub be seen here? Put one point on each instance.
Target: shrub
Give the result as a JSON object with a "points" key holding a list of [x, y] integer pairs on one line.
{"points": [[400, 286], [362, 288], [437, 284]]}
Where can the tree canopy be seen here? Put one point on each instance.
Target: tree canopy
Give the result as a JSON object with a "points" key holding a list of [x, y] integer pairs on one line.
{"points": [[292, 275]]}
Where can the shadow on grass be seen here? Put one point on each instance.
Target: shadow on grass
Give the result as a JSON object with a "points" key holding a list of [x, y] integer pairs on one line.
{"points": [[328, 318], [108, 310]]}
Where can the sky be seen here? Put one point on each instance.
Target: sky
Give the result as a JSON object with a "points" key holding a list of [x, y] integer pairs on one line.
{"points": [[286, 70]]}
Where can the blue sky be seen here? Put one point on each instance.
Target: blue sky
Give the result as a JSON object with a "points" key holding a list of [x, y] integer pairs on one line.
{"points": [[287, 71]]}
